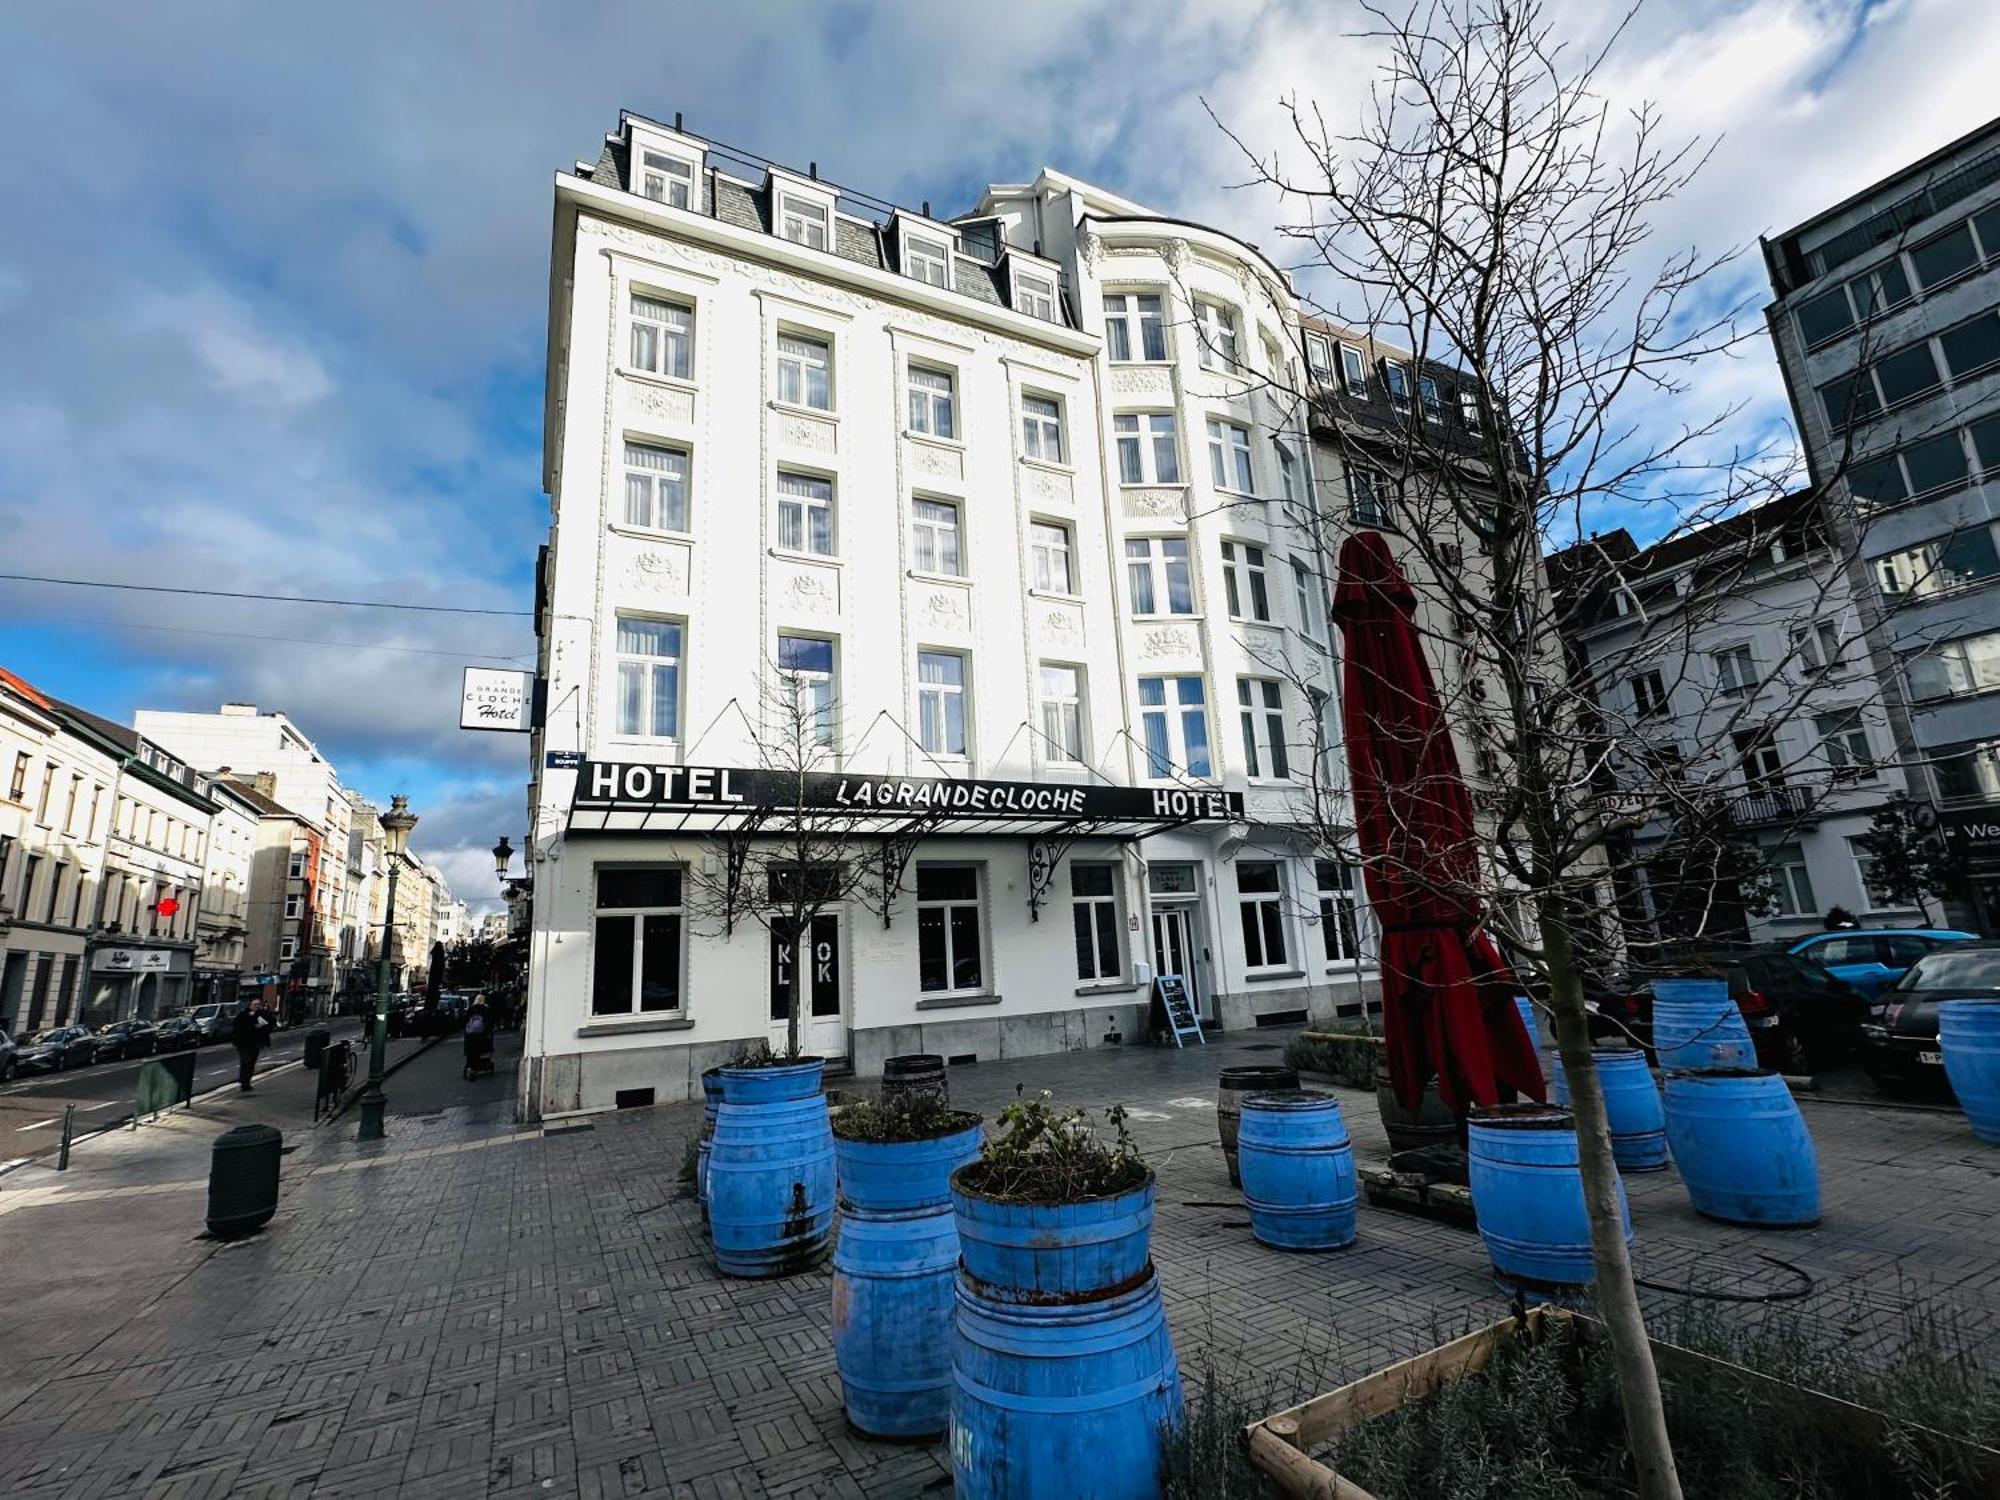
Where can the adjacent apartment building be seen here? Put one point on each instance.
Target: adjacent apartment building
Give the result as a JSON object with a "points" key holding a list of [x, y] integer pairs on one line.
{"points": [[1887, 327], [1014, 517]]}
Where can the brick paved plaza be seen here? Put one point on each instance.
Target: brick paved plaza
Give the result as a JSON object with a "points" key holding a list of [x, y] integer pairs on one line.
{"points": [[471, 1308]]}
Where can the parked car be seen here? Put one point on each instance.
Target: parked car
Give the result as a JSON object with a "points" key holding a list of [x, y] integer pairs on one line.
{"points": [[1873, 958], [57, 1048], [213, 1020], [177, 1033], [1801, 1018], [1899, 1040], [9, 1058], [127, 1039]]}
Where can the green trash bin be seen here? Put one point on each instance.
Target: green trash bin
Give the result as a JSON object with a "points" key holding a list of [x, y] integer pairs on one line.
{"points": [[243, 1180]]}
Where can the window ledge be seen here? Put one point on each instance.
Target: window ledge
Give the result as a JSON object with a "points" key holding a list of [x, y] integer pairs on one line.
{"points": [[651, 534], [794, 409], [960, 580], [819, 559], [1055, 598], [956, 1002], [647, 377], [1165, 619], [1153, 484], [1265, 976], [1047, 465], [1108, 989], [956, 444], [1144, 364], [635, 1024]]}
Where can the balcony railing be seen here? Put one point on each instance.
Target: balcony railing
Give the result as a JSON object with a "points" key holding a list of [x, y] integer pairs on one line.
{"points": [[1778, 804]]}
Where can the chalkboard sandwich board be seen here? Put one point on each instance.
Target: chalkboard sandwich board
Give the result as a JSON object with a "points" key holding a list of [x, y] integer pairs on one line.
{"points": [[1170, 993]]}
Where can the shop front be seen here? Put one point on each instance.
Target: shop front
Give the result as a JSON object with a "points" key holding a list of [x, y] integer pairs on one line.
{"points": [[137, 982], [1973, 835]]}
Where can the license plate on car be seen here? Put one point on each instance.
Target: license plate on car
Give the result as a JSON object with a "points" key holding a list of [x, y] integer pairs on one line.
{"points": [[1936, 1058]]}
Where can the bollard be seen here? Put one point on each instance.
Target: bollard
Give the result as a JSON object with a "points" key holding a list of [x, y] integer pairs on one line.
{"points": [[243, 1180], [69, 1124]]}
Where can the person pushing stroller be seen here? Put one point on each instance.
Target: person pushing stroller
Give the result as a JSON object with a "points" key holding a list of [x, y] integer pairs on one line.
{"points": [[478, 1041]]}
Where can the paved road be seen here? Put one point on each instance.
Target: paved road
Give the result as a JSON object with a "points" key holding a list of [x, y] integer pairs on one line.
{"points": [[31, 1109]]}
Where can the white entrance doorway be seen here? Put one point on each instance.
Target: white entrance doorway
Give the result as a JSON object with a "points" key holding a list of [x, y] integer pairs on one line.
{"points": [[822, 1015], [1175, 951]]}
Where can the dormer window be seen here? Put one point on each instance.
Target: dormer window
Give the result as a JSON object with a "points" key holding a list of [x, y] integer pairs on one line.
{"points": [[666, 179], [1397, 379], [1035, 294], [927, 259], [1353, 370], [802, 221]]}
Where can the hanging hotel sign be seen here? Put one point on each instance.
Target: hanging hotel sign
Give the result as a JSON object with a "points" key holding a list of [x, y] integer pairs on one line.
{"points": [[665, 788], [494, 698]]}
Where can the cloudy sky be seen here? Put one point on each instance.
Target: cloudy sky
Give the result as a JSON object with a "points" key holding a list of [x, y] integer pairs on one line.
{"points": [[273, 282]]}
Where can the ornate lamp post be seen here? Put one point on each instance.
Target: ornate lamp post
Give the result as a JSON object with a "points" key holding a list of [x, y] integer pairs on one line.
{"points": [[396, 825], [503, 856]]}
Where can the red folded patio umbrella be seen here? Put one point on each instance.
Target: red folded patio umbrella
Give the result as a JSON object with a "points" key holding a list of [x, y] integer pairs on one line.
{"points": [[1447, 997]]}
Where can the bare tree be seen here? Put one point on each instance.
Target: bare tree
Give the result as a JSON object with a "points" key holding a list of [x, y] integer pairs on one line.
{"points": [[792, 859]]}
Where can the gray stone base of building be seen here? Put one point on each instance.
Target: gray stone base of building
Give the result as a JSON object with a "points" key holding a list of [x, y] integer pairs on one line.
{"points": [[987, 1038], [1275, 1003]]}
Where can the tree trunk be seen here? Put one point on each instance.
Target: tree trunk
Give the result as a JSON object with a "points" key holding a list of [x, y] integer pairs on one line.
{"points": [[1617, 1297]]}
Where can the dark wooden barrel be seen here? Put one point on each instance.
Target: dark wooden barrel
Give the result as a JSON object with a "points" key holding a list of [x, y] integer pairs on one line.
{"points": [[913, 1076], [1429, 1124], [1230, 1087]]}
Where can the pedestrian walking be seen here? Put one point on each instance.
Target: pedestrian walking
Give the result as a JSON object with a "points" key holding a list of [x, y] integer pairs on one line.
{"points": [[249, 1033]]}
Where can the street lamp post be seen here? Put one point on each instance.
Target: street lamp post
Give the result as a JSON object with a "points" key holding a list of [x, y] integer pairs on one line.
{"points": [[396, 825]]}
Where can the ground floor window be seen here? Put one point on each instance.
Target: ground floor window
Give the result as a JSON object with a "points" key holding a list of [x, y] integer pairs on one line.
{"points": [[1792, 881], [1261, 897], [1093, 890], [637, 963], [1339, 910], [950, 949]]}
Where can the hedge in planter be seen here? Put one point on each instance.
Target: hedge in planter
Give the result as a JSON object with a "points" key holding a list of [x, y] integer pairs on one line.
{"points": [[1064, 1380], [770, 1167], [895, 1259]]}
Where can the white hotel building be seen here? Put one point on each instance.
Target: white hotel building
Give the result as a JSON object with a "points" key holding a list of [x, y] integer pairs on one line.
{"points": [[1011, 495]]}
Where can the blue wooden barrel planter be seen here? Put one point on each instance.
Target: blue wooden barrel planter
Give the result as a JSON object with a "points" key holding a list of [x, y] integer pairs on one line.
{"points": [[1526, 1006], [770, 1171], [1632, 1103], [711, 1101], [1298, 1170], [1697, 1025], [895, 1265], [1527, 1189], [1064, 1380], [1969, 1033], [1742, 1148]]}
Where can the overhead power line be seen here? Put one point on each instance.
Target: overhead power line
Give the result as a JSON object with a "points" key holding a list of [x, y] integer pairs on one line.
{"points": [[160, 588]]}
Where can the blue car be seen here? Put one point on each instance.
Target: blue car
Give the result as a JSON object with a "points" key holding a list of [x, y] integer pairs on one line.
{"points": [[1873, 958]]}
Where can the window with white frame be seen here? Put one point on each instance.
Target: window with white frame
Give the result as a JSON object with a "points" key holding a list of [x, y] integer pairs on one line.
{"points": [[1353, 370], [1041, 429], [1871, 877], [288, 948], [1649, 693], [1735, 671], [1339, 910], [1816, 644], [1260, 902], [1761, 758], [1060, 687], [1261, 702], [805, 371], [951, 958], [294, 904], [805, 513], [1367, 496], [1244, 582], [1396, 377], [1319, 358], [1135, 326], [296, 868], [1844, 740], [1093, 896], [662, 336], [941, 702], [656, 487], [1792, 882], [637, 941], [1290, 483], [1309, 601], [1035, 294], [1433, 399], [806, 663], [933, 402], [934, 538], [1148, 447], [649, 677], [927, 259], [1468, 410], [802, 221], [1161, 579], [1051, 557], [1173, 716], [1229, 457], [1217, 332], [666, 179]]}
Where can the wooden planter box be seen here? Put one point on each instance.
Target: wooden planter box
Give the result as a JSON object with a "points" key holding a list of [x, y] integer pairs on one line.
{"points": [[1281, 1444]]}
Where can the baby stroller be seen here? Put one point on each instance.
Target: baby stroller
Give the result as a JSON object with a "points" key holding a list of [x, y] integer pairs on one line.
{"points": [[478, 1043]]}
